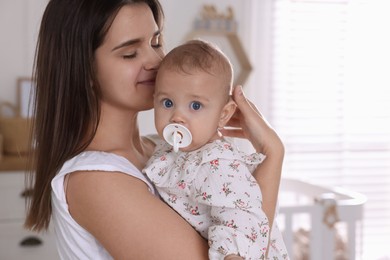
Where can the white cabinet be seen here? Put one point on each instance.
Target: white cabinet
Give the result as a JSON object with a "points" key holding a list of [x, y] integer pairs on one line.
{"points": [[12, 215]]}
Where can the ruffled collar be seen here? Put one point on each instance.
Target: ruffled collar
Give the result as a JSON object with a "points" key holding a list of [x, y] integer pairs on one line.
{"points": [[166, 166]]}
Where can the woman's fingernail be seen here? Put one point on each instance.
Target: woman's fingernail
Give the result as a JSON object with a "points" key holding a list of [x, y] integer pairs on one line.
{"points": [[239, 87], [241, 91]]}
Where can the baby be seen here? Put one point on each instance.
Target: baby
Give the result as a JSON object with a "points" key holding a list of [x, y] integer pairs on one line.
{"points": [[197, 171]]}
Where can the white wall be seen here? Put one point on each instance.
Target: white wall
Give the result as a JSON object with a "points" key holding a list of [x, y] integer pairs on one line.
{"points": [[19, 22]]}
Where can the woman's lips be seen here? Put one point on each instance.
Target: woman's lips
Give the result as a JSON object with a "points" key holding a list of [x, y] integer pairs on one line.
{"points": [[151, 81]]}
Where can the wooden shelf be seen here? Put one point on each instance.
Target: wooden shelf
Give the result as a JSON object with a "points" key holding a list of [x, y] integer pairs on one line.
{"points": [[13, 163]]}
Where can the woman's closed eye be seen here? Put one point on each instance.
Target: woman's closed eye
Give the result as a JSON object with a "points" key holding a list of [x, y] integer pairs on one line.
{"points": [[130, 55]]}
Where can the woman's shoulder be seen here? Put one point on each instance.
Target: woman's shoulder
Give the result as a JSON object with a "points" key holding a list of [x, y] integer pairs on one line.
{"points": [[98, 161], [154, 138], [150, 143]]}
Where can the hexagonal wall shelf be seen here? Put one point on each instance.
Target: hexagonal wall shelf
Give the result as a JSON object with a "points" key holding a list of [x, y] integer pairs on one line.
{"points": [[236, 53], [220, 29]]}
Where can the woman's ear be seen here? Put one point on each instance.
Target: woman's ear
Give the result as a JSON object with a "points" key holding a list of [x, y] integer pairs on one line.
{"points": [[227, 112]]}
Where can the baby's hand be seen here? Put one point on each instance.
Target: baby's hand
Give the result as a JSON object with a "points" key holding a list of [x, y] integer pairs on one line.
{"points": [[233, 257]]}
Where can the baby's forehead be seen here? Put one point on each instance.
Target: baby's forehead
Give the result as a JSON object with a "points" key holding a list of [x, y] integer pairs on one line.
{"points": [[213, 68], [209, 81]]}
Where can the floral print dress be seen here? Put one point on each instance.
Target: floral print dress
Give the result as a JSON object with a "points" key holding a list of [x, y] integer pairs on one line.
{"points": [[214, 190]]}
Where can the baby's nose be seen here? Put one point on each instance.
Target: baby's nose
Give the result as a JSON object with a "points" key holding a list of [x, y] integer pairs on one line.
{"points": [[177, 117]]}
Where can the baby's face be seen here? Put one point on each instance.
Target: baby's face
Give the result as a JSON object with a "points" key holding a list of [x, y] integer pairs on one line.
{"points": [[195, 101]]}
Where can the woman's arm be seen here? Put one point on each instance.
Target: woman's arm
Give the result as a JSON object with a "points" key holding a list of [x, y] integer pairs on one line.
{"points": [[268, 176], [131, 223], [252, 126]]}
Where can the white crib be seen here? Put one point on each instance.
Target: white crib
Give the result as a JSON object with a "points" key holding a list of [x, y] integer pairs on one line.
{"points": [[323, 214]]}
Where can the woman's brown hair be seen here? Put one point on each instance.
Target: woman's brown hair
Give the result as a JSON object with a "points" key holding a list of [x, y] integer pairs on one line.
{"points": [[66, 103]]}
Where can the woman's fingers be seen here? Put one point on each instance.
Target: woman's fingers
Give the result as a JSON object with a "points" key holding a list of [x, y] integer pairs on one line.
{"points": [[245, 106], [251, 124], [234, 122]]}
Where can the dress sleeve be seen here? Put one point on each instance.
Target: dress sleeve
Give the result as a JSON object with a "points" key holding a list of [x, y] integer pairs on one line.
{"points": [[238, 223]]}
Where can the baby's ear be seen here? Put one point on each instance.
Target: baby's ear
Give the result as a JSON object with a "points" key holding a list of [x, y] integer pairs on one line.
{"points": [[227, 112]]}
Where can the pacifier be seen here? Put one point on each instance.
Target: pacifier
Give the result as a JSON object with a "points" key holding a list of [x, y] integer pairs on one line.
{"points": [[177, 135]]}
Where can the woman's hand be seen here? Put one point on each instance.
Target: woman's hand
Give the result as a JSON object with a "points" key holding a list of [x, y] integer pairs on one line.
{"points": [[250, 124]]}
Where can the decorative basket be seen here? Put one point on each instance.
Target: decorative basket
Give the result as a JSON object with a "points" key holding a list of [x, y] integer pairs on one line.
{"points": [[1, 147], [15, 132]]}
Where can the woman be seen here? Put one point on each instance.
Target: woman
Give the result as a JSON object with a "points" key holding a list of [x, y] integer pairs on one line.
{"points": [[95, 69]]}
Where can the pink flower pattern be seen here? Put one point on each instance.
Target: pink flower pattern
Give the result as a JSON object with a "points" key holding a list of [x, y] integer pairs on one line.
{"points": [[214, 165], [181, 184], [214, 190]]}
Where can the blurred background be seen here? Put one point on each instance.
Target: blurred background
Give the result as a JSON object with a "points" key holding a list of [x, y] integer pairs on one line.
{"points": [[317, 69]]}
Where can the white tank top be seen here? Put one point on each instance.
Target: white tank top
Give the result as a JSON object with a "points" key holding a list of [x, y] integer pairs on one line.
{"points": [[73, 241]]}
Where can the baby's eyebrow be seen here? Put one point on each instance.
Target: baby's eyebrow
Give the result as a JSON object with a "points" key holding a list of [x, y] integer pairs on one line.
{"points": [[202, 98]]}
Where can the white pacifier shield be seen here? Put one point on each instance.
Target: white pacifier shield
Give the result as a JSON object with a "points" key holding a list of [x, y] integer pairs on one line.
{"points": [[177, 135]]}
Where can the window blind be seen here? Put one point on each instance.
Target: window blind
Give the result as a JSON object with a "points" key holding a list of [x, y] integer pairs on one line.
{"points": [[330, 100]]}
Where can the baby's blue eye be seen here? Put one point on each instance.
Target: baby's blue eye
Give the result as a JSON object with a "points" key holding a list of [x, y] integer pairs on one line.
{"points": [[196, 105], [167, 103]]}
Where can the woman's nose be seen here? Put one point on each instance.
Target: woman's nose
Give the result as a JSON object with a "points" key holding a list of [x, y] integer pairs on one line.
{"points": [[153, 58]]}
